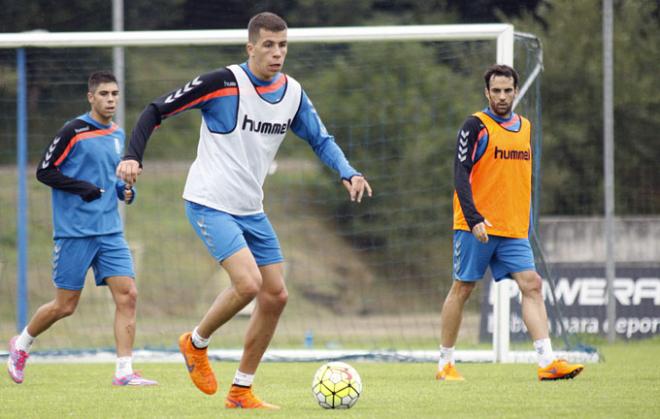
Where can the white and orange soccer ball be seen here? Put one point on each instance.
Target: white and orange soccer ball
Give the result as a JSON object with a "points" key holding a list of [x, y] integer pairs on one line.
{"points": [[336, 385]]}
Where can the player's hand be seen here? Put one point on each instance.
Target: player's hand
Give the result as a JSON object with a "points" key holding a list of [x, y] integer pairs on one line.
{"points": [[479, 231], [356, 187], [128, 194], [128, 171]]}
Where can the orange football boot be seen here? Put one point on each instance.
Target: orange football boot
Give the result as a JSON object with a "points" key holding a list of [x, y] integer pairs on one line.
{"points": [[197, 363], [559, 369], [449, 373], [243, 398]]}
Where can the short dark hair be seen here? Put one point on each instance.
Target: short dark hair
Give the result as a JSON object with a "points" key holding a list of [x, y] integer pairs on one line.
{"points": [[264, 20], [99, 77], [501, 70]]}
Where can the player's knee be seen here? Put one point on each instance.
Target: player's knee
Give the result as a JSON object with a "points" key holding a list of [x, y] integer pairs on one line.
{"points": [[248, 291], [466, 292], [65, 309], [274, 302], [128, 298], [531, 284], [248, 286], [462, 290], [281, 298]]}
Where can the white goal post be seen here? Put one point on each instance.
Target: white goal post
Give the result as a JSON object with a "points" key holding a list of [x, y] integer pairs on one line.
{"points": [[503, 34]]}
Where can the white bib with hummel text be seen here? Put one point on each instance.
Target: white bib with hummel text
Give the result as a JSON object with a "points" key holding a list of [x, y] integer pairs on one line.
{"points": [[229, 171]]}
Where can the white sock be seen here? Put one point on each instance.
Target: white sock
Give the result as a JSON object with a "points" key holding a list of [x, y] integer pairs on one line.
{"points": [[24, 341], [446, 357], [243, 379], [543, 348], [198, 341], [124, 366]]}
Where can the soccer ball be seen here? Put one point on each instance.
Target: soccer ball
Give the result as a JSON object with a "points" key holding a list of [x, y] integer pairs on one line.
{"points": [[336, 385]]}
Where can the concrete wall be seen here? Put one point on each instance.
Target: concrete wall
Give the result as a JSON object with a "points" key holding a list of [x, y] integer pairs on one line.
{"points": [[581, 239]]}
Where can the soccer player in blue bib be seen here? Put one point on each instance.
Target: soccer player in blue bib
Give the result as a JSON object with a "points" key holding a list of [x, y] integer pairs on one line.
{"points": [[79, 165], [246, 110]]}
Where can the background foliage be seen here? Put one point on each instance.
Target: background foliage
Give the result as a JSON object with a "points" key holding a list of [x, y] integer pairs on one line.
{"points": [[572, 89]]}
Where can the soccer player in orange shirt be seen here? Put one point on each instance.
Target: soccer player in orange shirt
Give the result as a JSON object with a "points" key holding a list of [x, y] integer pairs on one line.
{"points": [[492, 208]]}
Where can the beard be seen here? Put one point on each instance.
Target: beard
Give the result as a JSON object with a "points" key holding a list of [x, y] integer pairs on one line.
{"points": [[501, 111]]}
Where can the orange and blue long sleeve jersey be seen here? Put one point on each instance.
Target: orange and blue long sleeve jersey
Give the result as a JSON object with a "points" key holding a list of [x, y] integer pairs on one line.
{"points": [[79, 165], [216, 95], [472, 143]]}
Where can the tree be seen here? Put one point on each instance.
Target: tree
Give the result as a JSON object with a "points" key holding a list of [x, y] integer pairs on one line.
{"points": [[572, 116]]}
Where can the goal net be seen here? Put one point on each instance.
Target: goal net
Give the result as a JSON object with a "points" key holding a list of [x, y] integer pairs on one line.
{"points": [[367, 279]]}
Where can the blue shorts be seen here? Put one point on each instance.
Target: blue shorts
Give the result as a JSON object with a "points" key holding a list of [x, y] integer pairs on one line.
{"points": [[225, 234], [505, 256], [108, 255]]}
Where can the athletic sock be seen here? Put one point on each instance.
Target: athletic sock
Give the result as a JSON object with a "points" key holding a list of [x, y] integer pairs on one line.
{"points": [[543, 348], [124, 366], [242, 379], [198, 341], [446, 357], [24, 341]]}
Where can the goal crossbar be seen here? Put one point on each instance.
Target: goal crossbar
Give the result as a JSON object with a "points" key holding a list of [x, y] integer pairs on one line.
{"points": [[238, 36]]}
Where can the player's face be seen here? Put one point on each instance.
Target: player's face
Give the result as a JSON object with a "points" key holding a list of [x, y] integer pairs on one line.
{"points": [[266, 56], [104, 102], [501, 94]]}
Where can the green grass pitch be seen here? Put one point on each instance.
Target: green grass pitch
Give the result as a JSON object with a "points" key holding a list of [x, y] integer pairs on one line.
{"points": [[626, 384]]}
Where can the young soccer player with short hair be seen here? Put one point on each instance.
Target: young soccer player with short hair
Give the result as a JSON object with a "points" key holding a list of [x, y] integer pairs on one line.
{"points": [[246, 111], [79, 165]]}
